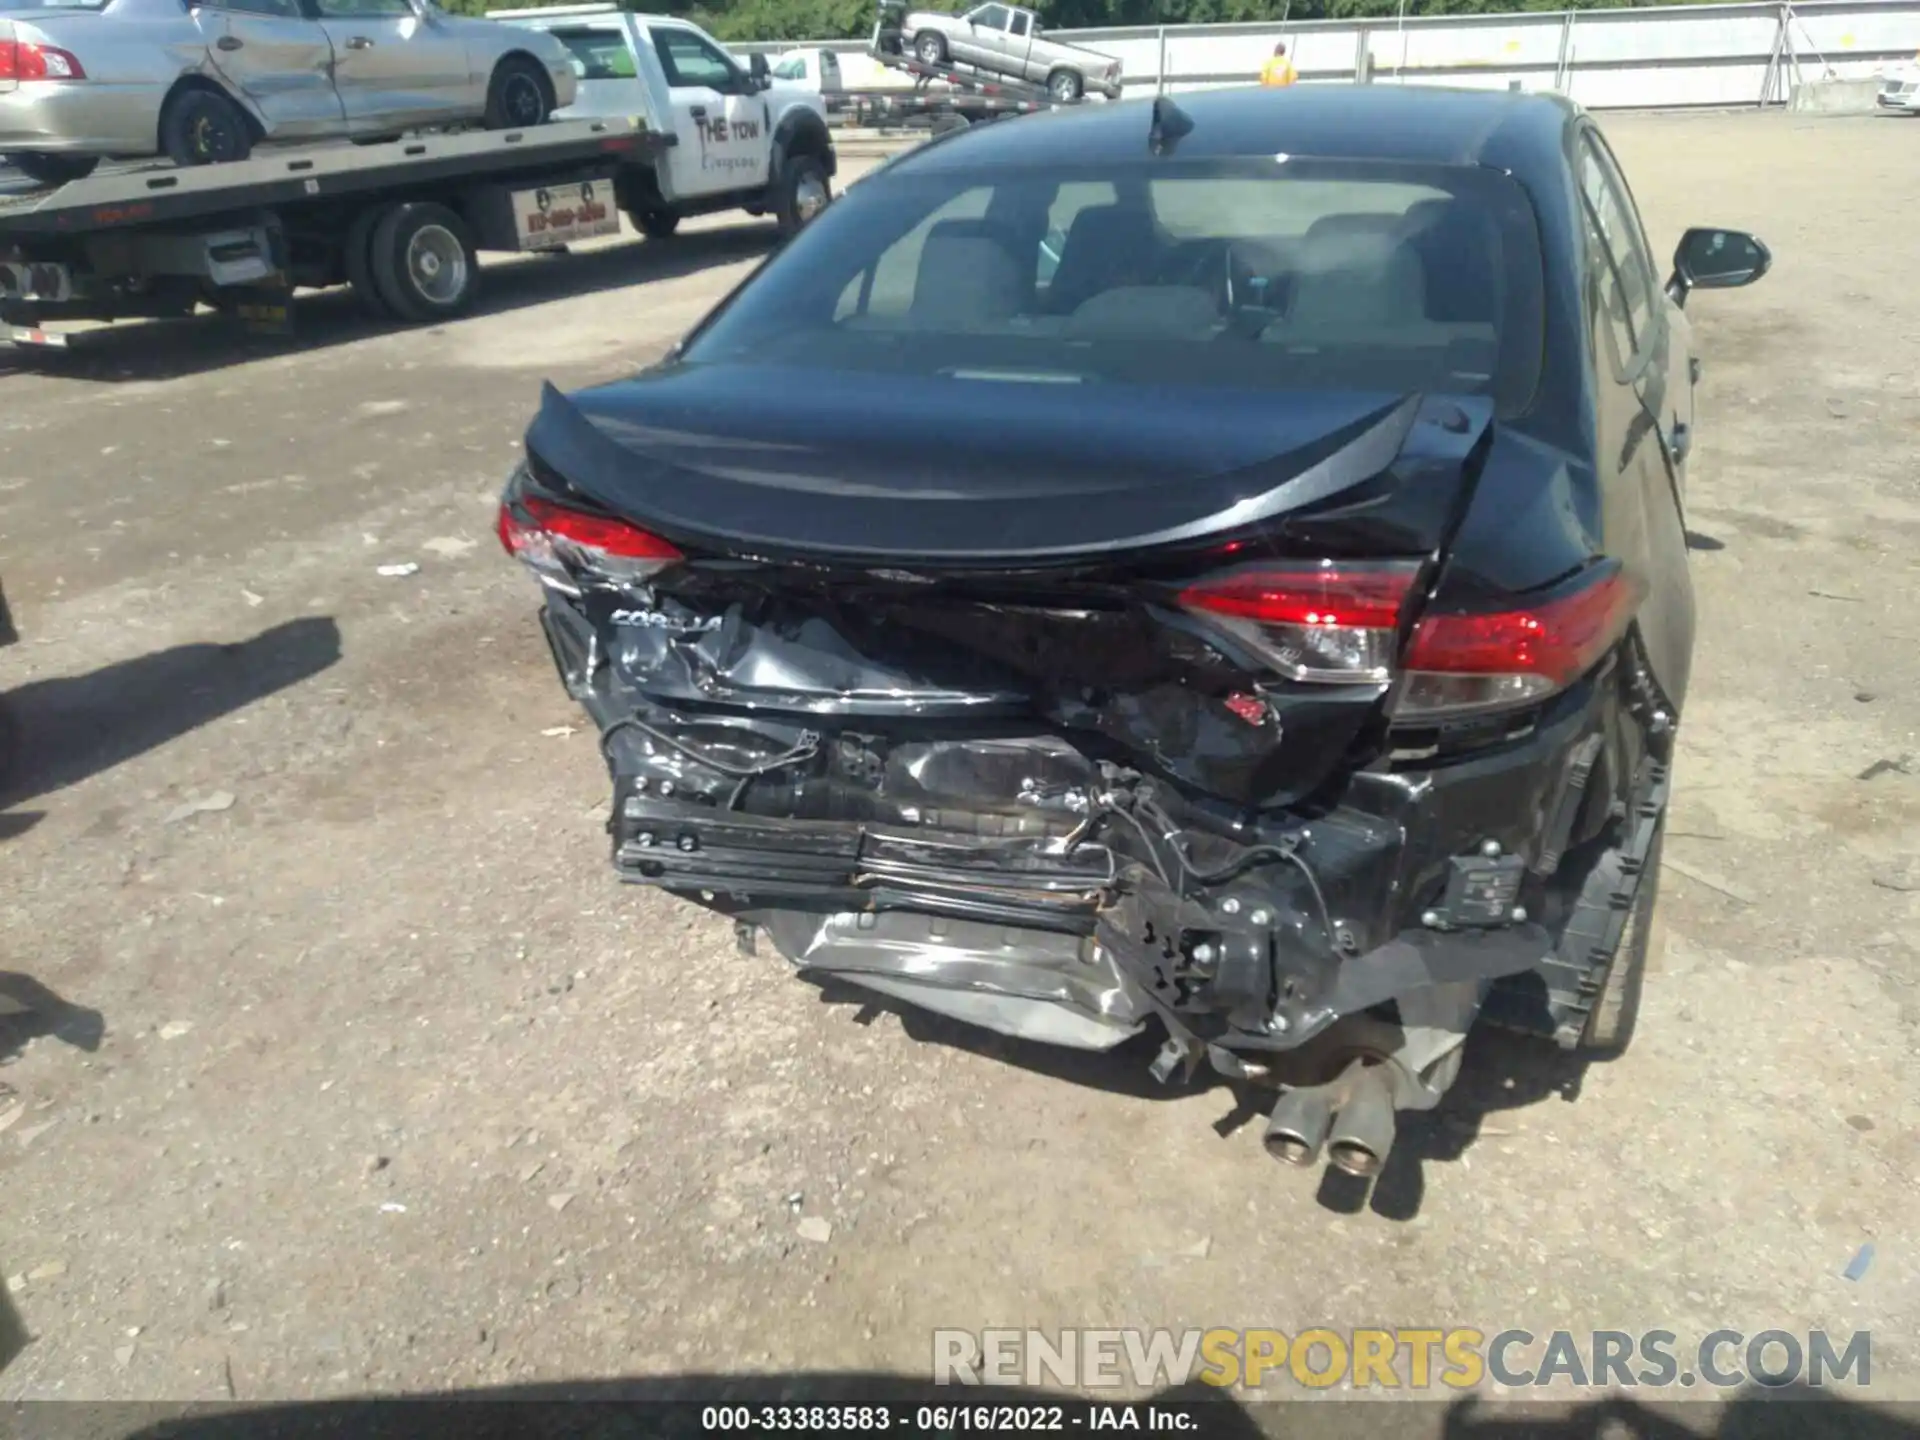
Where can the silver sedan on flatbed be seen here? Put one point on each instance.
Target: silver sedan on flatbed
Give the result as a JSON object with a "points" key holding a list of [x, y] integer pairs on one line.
{"points": [[203, 83]]}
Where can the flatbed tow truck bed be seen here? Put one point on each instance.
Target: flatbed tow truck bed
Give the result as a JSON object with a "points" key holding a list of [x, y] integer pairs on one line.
{"points": [[400, 220], [972, 96]]}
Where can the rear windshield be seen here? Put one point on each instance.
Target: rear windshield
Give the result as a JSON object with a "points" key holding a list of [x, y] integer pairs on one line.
{"points": [[1266, 274], [597, 54]]}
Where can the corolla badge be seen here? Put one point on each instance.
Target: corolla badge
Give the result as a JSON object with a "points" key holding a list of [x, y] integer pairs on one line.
{"points": [[656, 620]]}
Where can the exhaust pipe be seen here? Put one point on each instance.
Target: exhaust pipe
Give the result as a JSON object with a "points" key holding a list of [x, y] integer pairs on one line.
{"points": [[1298, 1126], [1363, 1133]]}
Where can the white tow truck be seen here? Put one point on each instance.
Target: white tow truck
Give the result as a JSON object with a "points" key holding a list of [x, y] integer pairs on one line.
{"points": [[741, 139]]}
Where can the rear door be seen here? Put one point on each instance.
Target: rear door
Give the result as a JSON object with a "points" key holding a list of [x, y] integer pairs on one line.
{"points": [[721, 119], [279, 59], [1640, 369], [394, 67], [1017, 44]]}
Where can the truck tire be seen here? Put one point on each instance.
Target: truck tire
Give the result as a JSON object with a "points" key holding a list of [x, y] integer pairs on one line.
{"points": [[357, 260], [1609, 1028], [931, 47], [801, 193], [200, 127], [518, 95], [1066, 86], [425, 267], [655, 224], [45, 169]]}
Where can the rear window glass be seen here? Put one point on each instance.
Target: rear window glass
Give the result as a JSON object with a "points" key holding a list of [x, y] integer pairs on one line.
{"points": [[598, 54], [1266, 274]]}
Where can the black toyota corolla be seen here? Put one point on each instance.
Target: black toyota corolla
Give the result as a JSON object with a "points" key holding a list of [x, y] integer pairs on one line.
{"points": [[1216, 565]]}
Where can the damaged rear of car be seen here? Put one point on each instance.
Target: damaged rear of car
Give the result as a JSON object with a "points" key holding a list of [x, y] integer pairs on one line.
{"points": [[1085, 584]]}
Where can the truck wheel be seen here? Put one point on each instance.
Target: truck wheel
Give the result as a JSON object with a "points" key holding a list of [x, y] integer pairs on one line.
{"points": [[45, 169], [931, 47], [655, 224], [1610, 1023], [517, 96], [1065, 86], [803, 193], [357, 259], [424, 264], [198, 127]]}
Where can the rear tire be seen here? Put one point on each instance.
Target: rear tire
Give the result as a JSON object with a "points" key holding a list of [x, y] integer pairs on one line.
{"points": [[655, 224], [44, 169], [425, 267], [1616, 1008], [803, 192], [1065, 86], [198, 127], [931, 47], [519, 95], [357, 260]]}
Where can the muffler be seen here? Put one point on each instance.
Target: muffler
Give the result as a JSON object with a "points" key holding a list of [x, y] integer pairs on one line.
{"points": [[1362, 1133], [1298, 1126]]}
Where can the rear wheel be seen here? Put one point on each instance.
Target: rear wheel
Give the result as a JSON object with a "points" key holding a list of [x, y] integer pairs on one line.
{"points": [[655, 224], [1616, 1008], [803, 192], [931, 47], [198, 127], [45, 169], [424, 264], [1065, 86], [357, 259], [518, 95]]}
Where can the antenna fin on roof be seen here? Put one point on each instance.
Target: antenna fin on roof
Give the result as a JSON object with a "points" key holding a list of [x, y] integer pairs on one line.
{"points": [[1170, 123]]}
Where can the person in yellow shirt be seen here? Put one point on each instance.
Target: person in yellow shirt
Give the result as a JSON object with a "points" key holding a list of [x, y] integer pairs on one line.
{"points": [[1278, 70]]}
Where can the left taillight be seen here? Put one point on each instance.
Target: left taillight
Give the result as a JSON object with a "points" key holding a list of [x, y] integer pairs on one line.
{"points": [[1343, 623], [25, 60], [566, 547]]}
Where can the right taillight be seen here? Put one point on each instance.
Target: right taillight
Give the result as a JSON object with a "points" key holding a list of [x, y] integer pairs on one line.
{"points": [[1469, 662], [1343, 622]]}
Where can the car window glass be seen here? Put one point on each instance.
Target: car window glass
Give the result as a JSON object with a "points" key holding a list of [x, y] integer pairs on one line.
{"points": [[689, 60], [597, 54], [1630, 270], [1329, 276], [278, 9], [1019, 25], [794, 67], [363, 9], [990, 17]]}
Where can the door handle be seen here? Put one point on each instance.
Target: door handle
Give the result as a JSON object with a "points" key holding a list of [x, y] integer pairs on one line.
{"points": [[229, 42], [359, 42], [699, 112]]}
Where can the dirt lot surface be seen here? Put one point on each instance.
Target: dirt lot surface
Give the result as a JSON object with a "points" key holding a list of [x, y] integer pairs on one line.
{"points": [[399, 1091]]}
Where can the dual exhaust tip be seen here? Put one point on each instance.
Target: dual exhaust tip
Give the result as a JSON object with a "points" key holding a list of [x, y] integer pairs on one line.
{"points": [[1352, 1119]]}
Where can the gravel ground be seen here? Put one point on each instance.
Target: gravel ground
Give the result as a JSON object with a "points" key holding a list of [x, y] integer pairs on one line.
{"points": [[399, 1091]]}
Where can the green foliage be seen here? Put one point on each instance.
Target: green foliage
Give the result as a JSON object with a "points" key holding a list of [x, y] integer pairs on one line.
{"points": [[744, 20]]}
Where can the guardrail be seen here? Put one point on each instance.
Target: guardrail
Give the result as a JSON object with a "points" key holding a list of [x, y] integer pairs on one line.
{"points": [[1683, 55]]}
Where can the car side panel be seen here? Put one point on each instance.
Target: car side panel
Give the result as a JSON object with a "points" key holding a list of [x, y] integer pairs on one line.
{"points": [[401, 70], [282, 65], [131, 67]]}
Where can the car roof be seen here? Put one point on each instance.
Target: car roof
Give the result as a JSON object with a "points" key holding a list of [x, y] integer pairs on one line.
{"points": [[1416, 124]]}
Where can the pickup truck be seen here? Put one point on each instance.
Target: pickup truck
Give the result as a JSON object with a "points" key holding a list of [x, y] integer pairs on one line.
{"points": [[1006, 40], [737, 137]]}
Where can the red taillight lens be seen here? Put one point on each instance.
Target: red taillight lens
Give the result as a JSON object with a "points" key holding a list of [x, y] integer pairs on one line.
{"points": [[1330, 622], [1461, 664], [560, 543], [23, 60]]}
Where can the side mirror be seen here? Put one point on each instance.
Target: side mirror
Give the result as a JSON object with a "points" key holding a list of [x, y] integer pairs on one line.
{"points": [[1716, 260], [757, 68]]}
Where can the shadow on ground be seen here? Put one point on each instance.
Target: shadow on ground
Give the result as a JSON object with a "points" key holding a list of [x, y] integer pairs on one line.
{"points": [[79, 725], [168, 349], [687, 1405], [1501, 1071], [29, 1010]]}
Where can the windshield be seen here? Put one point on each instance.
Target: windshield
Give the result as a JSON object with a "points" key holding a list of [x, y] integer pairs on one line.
{"points": [[597, 54], [1269, 274]]}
